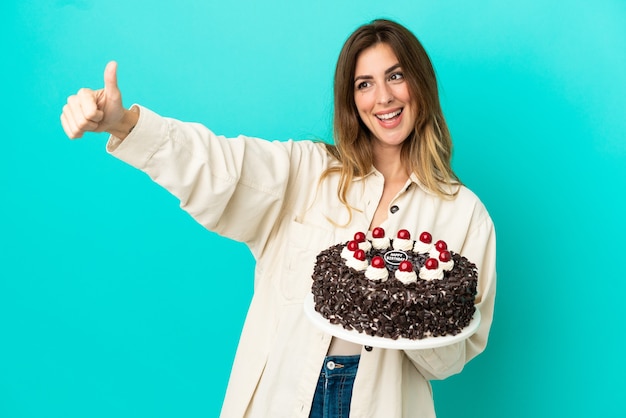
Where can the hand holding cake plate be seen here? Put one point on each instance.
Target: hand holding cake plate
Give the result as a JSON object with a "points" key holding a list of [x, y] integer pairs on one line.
{"points": [[354, 336]]}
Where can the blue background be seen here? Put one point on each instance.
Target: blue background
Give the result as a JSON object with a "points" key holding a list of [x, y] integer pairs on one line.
{"points": [[115, 303]]}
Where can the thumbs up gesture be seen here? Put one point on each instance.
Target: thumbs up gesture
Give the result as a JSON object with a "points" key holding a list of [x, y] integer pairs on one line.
{"points": [[98, 110]]}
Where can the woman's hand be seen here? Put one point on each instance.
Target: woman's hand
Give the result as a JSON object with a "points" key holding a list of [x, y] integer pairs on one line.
{"points": [[98, 110]]}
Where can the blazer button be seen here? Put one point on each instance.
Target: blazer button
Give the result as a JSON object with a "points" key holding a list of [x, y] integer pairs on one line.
{"points": [[394, 209]]}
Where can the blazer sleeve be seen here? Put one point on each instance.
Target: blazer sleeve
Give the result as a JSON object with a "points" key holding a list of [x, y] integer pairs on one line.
{"points": [[480, 248], [236, 187]]}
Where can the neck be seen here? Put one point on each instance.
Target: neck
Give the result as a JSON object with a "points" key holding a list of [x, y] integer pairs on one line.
{"points": [[389, 164]]}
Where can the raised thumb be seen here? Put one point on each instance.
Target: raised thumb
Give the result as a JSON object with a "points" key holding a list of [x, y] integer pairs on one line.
{"points": [[110, 78]]}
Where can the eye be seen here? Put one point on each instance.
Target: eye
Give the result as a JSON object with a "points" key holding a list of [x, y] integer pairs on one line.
{"points": [[396, 76], [362, 85]]}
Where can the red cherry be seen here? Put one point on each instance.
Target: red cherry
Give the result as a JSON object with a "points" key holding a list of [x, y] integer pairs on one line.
{"points": [[359, 237], [441, 245], [378, 232], [353, 246], [404, 234], [445, 256], [378, 262], [432, 264], [406, 266], [359, 255], [426, 238]]}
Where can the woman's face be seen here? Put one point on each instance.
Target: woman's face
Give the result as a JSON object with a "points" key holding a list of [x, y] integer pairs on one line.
{"points": [[382, 97]]}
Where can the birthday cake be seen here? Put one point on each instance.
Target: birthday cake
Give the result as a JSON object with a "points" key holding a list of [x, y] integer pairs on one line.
{"points": [[395, 288]]}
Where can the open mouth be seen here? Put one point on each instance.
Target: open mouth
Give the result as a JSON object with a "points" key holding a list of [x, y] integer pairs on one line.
{"points": [[388, 116]]}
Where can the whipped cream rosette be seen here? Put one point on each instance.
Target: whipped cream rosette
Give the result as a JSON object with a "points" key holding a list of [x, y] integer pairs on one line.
{"points": [[445, 260], [379, 240], [348, 251], [424, 244], [431, 270], [405, 273], [361, 240], [358, 261], [403, 241], [377, 270]]}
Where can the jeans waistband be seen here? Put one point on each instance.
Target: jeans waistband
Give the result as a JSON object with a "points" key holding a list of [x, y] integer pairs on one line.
{"points": [[341, 365]]}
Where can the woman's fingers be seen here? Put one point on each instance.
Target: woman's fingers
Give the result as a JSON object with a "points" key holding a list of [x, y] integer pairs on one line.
{"points": [[81, 114], [85, 103], [70, 128]]}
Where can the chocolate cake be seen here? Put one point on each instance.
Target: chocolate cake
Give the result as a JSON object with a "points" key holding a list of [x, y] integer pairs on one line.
{"points": [[395, 288]]}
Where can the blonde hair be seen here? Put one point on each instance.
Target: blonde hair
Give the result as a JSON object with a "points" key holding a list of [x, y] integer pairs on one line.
{"points": [[427, 152]]}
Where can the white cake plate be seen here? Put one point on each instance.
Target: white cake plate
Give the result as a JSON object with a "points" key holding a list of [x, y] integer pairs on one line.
{"points": [[356, 337]]}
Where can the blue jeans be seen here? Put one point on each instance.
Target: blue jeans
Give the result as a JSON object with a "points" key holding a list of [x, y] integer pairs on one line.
{"points": [[334, 387]]}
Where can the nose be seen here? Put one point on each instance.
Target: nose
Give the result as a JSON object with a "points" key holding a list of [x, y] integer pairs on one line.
{"points": [[385, 96]]}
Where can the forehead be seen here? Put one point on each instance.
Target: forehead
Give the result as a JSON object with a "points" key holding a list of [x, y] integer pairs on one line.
{"points": [[375, 60]]}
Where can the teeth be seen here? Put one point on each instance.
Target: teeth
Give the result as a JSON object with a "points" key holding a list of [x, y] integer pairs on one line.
{"points": [[387, 116]]}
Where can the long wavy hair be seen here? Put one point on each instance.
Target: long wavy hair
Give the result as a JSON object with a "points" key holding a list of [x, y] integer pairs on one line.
{"points": [[427, 151]]}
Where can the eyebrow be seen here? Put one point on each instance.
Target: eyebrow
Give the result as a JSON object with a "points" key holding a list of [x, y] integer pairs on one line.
{"points": [[369, 77]]}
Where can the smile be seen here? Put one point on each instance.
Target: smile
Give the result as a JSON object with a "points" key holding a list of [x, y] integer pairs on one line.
{"points": [[388, 116]]}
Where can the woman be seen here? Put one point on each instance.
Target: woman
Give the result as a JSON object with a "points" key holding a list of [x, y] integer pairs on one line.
{"points": [[389, 167]]}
